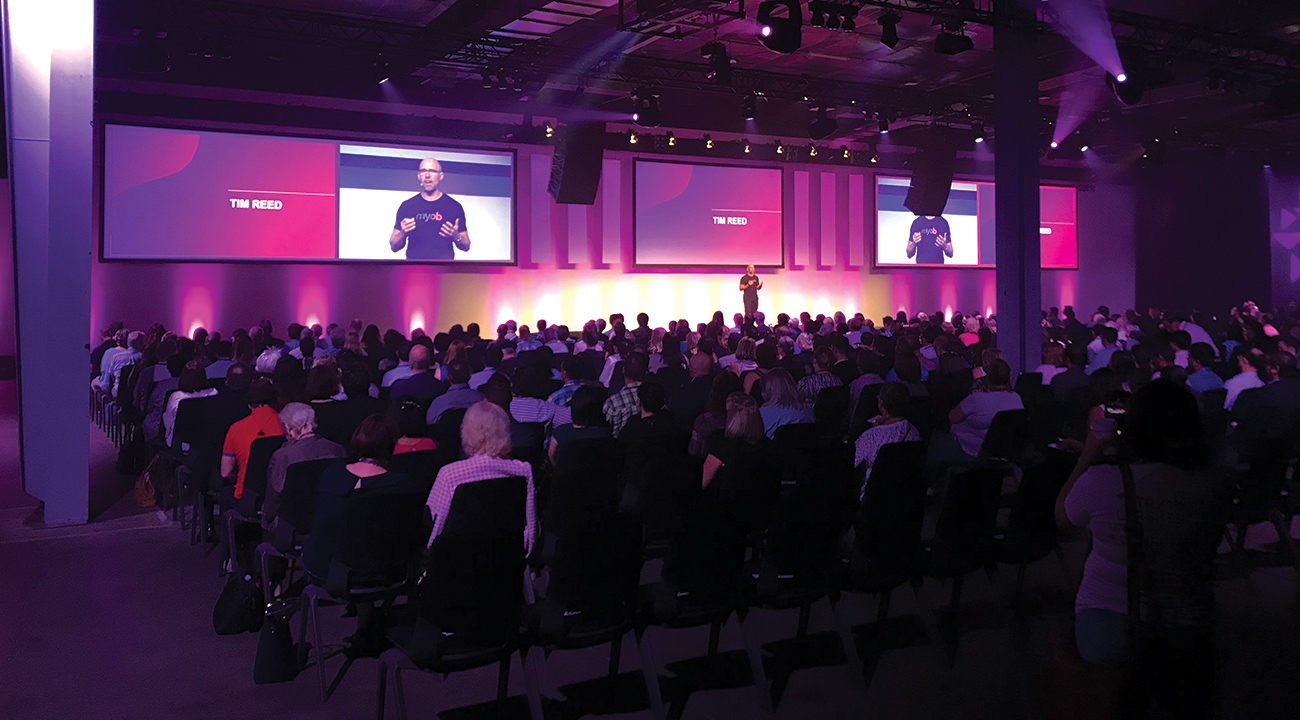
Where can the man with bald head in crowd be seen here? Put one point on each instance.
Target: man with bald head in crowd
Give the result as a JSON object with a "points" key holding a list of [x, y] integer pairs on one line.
{"points": [[422, 383]]}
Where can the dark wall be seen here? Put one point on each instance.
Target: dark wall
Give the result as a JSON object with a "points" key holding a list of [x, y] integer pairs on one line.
{"points": [[1202, 230]]}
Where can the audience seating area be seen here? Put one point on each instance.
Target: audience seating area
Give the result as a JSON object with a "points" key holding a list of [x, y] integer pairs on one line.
{"points": [[631, 543]]}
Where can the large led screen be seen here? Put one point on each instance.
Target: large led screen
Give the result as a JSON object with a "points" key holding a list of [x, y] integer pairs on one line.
{"points": [[964, 235], [200, 195], [707, 215]]}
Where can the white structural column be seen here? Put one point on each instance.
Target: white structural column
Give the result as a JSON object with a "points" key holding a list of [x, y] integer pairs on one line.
{"points": [[49, 66]]}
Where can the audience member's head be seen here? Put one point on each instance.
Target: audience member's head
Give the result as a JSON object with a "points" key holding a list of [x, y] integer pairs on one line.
{"points": [[374, 440], [998, 375], [238, 377], [458, 372], [651, 396], [497, 391], [411, 415], [1164, 424], [193, 377], [419, 358], [297, 420], [743, 420], [724, 384], [322, 382], [779, 390], [635, 366], [586, 408], [746, 350], [485, 430], [893, 400]]}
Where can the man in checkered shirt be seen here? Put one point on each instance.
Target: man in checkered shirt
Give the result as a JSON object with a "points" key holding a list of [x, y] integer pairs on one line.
{"points": [[485, 436], [623, 405]]}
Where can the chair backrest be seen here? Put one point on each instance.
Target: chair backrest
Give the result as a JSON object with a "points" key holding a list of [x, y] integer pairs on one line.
{"points": [[746, 488], [473, 585], [919, 413], [1029, 386], [831, 410], [595, 568], [659, 478], [421, 465], [887, 528], [259, 460], [802, 540], [587, 478], [298, 499], [382, 539], [868, 406], [964, 537], [1031, 531], [1006, 436], [527, 436], [706, 558], [446, 432]]}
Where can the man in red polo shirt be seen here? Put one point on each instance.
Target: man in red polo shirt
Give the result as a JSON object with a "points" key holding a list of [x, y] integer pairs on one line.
{"points": [[262, 421]]}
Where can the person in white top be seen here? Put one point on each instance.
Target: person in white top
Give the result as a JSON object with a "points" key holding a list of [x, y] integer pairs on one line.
{"points": [[1053, 361], [971, 419], [888, 427], [1251, 365], [193, 383]]}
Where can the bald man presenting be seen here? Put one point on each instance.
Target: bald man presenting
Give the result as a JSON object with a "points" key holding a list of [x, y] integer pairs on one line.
{"points": [[431, 223]]}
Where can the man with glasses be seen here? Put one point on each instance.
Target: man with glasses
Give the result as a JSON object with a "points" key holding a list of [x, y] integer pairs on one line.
{"points": [[429, 224]]}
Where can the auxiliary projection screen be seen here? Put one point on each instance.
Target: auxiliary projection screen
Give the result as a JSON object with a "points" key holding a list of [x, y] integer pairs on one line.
{"points": [[202, 195], [707, 215], [964, 236]]}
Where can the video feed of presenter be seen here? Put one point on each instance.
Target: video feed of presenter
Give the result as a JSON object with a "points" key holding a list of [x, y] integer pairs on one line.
{"points": [[202, 195], [707, 215], [963, 234]]}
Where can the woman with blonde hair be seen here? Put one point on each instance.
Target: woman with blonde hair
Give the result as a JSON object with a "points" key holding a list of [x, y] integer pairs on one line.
{"points": [[740, 438]]}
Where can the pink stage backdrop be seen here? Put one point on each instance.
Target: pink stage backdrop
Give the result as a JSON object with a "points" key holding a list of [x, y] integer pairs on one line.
{"points": [[576, 262]]}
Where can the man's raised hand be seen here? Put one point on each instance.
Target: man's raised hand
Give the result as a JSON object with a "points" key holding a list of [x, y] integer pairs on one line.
{"points": [[408, 224], [450, 230]]}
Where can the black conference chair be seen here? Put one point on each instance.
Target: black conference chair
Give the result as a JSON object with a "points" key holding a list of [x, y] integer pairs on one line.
{"points": [[886, 549], [250, 501]]}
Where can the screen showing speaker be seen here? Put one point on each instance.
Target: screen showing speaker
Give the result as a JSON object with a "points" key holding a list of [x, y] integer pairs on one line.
{"points": [[963, 235], [707, 215], [201, 195]]}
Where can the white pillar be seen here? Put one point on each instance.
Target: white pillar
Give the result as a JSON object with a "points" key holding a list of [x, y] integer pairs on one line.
{"points": [[49, 66]]}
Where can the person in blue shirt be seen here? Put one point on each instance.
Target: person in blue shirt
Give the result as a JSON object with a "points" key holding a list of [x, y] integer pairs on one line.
{"points": [[1199, 375], [929, 240]]}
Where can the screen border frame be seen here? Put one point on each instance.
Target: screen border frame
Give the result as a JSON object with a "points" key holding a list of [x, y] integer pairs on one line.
{"points": [[875, 246], [636, 159], [101, 155]]}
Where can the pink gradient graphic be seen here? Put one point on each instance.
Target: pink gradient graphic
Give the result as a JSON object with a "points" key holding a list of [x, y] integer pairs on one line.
{"points": [[231, 196], [707, 215]]}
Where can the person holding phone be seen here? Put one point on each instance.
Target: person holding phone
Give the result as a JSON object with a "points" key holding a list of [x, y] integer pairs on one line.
{"points": [[431, 224]]}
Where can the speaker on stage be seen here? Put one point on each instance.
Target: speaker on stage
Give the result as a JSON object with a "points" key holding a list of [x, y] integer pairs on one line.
{"points": [[932, 169], [575, 166]]}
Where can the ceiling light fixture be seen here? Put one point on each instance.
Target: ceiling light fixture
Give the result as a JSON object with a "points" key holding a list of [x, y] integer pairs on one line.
{"points": [[672, 141], [953, 40], [749, 107], [824, 126], [888, 22], [781, 33], [719, 62], [708, 142], [882, 123]]}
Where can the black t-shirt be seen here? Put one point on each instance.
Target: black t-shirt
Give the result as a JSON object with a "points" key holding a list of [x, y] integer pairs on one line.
{"points": [[927, 253], [751, 291], [426, 242]]}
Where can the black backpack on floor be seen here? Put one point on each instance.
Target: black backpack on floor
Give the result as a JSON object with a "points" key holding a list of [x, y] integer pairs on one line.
{"points": [[239, 607]]}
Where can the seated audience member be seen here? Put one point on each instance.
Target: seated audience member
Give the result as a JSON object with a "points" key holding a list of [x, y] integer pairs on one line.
{"points": [[623, 405], [421, 383], [1182, 514], [574, 370], [128, 350], [821, 378], [323, 382], [1053, 361], [298, 421], [1199, 375], [781, 403], [403, 368], [485, 437], [370, 450], [411, 428], [108, 341], [225, 352], [714, 416], [1251, 366], [908, 371], [262, 421], [687, 402], [492, 358], [845, 369], [1073, 377], [888, 427], [306, 348], [741, 439], [193, 383], [652, 422], [868, 374], [458, 395], [527, 340], [1109, 337], [158, 397], [973, 416], [587, 418]]}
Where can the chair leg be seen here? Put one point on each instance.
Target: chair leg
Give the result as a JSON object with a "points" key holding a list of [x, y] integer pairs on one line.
{"points": [[715, 635], [755, 653], [532, 682], [503, 677], [264, 562], [650, 671], [320, 649], [846, 638], [303, 656], [401, 694], [383, 690], [883, 611], [804, 612], [615, 649]]}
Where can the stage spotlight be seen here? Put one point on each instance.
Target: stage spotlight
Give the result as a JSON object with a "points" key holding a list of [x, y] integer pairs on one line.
{"points": [[1121, 78], [631, 137], [812, 151], [749, 107], [746, 146], [846, 153], [380, 70], [780, 149], [672, 141], [978, 130], [719, 62], [888, 22], [780, 33], [953, 40], [645, 109], [1055, 144], [550, 131], [882, 123], [708, 142], [823, 127], [1083, 148]]}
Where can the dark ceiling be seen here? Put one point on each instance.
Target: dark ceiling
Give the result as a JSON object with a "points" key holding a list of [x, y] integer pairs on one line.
{"points": [[1223, 73]]}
